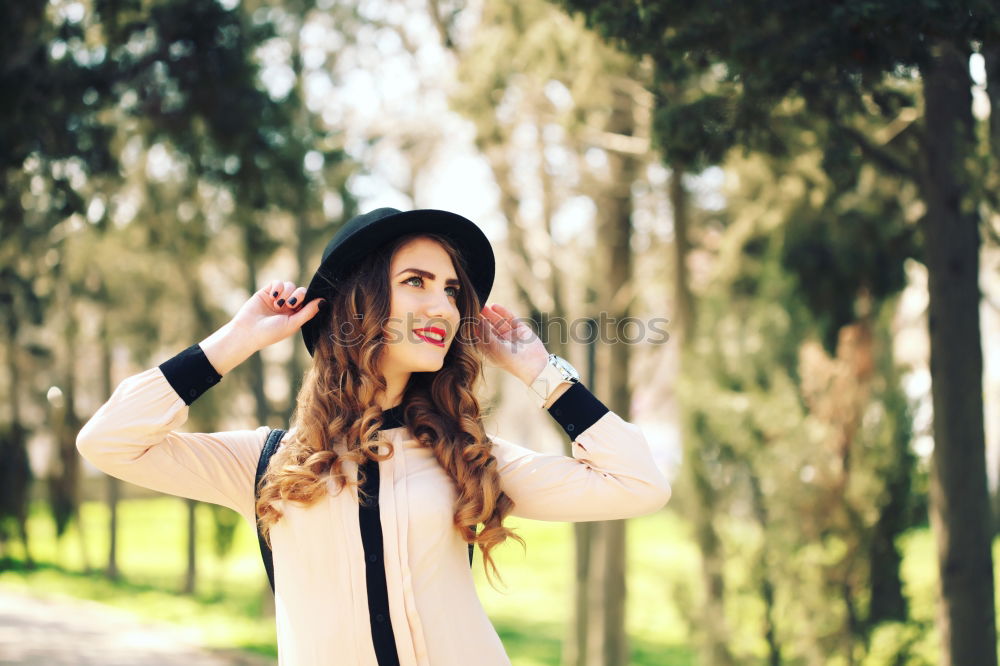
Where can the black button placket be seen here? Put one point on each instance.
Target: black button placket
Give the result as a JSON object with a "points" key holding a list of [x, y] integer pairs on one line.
{"points": [[371, 539]]}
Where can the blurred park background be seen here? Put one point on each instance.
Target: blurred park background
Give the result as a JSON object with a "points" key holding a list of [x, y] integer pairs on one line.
{"points": [[790, 210]]}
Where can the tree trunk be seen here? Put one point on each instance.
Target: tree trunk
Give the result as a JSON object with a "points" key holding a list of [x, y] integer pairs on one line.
{"points": [[887, 602], [16, 471], [766, 584], [191, 577], [960, 513], [683, 314], [991, 56], [113, 484], [714, 631], [608, 644], [575, 644], [66, 425]]}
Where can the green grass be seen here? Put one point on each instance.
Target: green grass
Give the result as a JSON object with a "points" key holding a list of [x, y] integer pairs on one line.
{"points": [[530, 613]]}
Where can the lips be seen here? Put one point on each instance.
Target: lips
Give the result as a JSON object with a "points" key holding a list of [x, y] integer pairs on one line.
{"points": [[433, 340]]}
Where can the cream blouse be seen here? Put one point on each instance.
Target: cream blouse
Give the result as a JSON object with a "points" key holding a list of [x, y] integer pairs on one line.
{"points": [[322, 605]]}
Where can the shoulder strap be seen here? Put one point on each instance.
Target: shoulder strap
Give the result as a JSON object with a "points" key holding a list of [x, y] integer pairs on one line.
{"points": [[270, 446]]}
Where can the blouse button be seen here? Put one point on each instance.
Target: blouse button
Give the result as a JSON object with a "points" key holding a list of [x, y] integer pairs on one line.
{"points": [[193, 392], [209, 380], [380, 618], [557, 412], [373, 557], [570, 427]]}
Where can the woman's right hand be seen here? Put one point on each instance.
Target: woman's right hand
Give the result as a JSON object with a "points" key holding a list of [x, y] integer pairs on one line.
{"points": [[273, 313]]}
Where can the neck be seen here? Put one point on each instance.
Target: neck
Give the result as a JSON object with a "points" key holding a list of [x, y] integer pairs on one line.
{"points": [[393, 395]]}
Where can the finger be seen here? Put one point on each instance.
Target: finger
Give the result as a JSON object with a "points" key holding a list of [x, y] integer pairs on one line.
{"points": [[504, 311], [295, 298], [499, 319], [284, 293], [306, 312], [491, 317], [484, 328], [520, 329], [500, 330], [509, 318], [272, 292]]}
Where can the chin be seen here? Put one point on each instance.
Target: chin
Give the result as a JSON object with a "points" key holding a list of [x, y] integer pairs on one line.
{"points": [[433, 367]]}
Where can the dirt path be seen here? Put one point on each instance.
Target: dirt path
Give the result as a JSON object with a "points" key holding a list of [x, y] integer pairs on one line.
{"points": [[35, 631]]}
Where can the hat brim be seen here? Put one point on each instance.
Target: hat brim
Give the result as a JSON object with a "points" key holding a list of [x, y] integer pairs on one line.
{"points": [[471, 243]]}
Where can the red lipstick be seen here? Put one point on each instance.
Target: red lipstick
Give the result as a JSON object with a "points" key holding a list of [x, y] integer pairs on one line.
{"points": [[431, 329]]}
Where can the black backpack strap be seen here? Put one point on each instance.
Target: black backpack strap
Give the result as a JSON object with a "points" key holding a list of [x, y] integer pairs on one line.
{"points": [[270, 446]]}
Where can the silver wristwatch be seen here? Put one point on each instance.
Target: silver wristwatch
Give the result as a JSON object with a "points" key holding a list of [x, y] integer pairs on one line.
{"points": [[556, 371]]}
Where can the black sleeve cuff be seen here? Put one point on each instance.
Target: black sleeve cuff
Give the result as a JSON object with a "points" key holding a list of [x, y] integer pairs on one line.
{"points": [[190, 373], [577, 409]]}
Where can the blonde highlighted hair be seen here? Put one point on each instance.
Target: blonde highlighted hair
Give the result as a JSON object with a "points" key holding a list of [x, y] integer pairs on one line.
{"points": [[336, 404]]}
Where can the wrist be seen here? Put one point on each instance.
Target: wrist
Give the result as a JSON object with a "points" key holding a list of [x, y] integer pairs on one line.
{"points": [[530, 372], [553, 379], [226, 348]]}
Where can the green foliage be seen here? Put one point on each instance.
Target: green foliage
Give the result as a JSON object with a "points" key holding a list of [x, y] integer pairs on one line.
{"points": [[830, 54], [768, 433]]}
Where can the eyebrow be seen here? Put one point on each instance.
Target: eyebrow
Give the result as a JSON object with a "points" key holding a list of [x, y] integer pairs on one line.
{"points": [[429, 276]]}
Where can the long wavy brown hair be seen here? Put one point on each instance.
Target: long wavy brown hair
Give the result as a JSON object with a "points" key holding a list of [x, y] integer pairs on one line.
{"points": [[336, 417]]}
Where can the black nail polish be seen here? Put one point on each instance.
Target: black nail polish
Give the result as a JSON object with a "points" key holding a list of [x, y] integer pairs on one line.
{"points": [[275, 294], [292, 300], [281, 302]]}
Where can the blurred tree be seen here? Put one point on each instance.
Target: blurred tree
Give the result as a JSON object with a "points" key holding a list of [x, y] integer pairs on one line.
{"points": [[133, 125], [809, 445], [846, 62], [51, 139]]}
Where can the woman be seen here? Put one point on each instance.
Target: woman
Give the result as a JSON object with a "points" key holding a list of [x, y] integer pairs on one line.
{"points": [[378, 487]]}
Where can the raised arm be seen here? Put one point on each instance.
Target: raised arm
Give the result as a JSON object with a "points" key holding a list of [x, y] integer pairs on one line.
{"points": [[133, 435], [611, 474]]}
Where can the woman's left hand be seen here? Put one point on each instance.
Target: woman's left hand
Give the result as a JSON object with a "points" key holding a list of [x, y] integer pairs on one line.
{"points": [[510, 343]]}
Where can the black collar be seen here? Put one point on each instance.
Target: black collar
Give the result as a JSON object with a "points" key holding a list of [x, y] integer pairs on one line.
{"points": [[392, 417]]}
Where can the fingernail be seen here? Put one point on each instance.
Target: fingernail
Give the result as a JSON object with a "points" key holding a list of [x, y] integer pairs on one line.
{"points": [[281, 302], [275, 294], [292, 300]]}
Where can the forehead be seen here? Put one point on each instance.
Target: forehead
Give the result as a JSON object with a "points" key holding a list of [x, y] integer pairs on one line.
{"points": [[425, 253]]}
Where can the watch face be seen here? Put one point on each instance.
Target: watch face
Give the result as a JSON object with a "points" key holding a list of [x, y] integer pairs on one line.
{"points": [[567, 370]]}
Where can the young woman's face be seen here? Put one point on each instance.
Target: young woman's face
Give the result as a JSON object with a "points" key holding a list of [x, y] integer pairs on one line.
{"points": [[424, 295]]}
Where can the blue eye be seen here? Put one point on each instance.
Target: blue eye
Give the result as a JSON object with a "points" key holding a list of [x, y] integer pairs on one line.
{"points": [[455, 290]]}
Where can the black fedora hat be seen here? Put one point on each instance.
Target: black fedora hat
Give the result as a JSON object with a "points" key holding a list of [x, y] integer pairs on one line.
{"points": [[364, 234]]}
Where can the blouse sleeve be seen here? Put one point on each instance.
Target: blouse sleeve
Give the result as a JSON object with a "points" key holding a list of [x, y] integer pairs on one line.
{"points": [[611, 474], [133, 437]]}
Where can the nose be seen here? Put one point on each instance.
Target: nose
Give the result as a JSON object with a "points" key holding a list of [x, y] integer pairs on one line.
{"points": [[439, 306]]}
